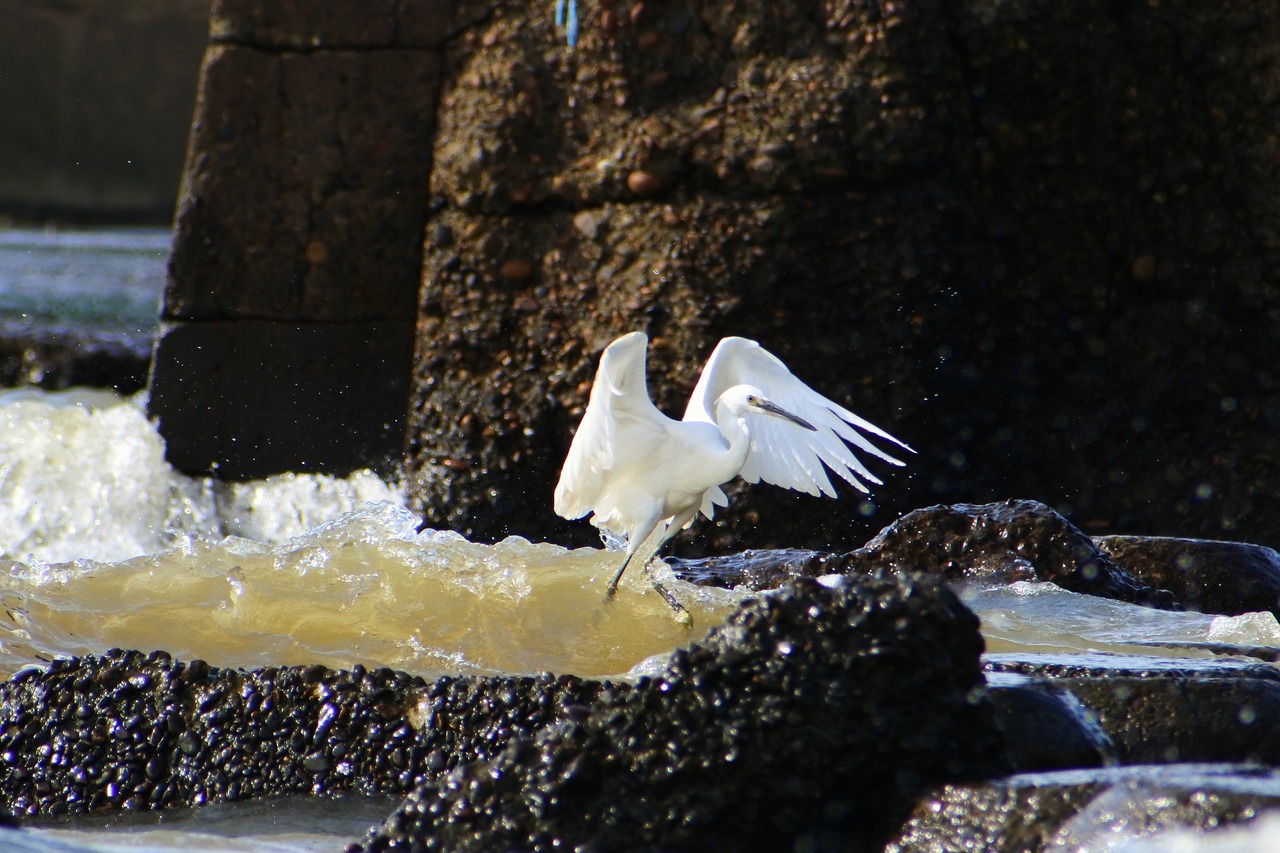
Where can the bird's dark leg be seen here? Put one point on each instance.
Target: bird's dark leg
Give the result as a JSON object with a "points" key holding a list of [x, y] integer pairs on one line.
{"points": [[636, 541], [612, 589], [681, 612]]}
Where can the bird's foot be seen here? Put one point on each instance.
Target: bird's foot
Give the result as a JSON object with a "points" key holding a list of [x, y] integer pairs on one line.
{"points": [[612, 589], [678, 610]]}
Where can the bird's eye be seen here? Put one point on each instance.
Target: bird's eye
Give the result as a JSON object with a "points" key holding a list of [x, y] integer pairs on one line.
{"points": [[751, 398]]}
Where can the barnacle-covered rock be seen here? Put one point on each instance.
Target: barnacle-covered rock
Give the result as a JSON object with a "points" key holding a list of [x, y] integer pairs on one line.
{"points": [[134, 731], [820, 711]]}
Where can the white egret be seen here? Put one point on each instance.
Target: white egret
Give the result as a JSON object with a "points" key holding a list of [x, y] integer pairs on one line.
{"points": [[645, 476]]}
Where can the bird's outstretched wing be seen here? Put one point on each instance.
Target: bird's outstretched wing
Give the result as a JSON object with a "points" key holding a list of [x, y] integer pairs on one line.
{"points": [[619, 403], [783, 453]]}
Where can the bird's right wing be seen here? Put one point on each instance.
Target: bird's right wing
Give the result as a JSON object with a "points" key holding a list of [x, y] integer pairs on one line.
{"points": [[619, 402], [783, 453]]}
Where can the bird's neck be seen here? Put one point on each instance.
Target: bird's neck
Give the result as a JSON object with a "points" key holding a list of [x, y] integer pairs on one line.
{"points": [[734, 430]]}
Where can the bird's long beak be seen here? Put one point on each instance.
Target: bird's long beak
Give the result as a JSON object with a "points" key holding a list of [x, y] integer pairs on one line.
{"points": [[773, 409]]}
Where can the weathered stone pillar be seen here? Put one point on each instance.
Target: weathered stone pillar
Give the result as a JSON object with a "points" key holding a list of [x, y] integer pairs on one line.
{"points": [[1038, 242], [292, 295]]}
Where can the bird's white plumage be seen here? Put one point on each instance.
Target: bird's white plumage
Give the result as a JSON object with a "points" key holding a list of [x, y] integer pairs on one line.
{"points": [[782, 455], [639, 472], [619, 403]]}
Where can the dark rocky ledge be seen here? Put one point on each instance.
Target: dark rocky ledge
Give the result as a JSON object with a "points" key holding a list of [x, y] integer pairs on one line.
{"points": [[1205, 575], [58, 359], [134, 731], [1007, 540], [811, 715], [1027, 540], [1162, 710]]}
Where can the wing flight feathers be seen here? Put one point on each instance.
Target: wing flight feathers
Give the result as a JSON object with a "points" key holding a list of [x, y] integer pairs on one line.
{"points": [[619, 396], [784, 454], [621, 419]]}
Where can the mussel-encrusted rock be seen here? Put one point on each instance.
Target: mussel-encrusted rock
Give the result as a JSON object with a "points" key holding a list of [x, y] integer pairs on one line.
{"points": [[134, 731], [814, 714], [1085, 809], [1205, 575], [1008, 540]]}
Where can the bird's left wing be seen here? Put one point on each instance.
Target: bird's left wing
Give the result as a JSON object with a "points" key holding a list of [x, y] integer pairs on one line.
{"points": [[783, 453], [619, 399]]}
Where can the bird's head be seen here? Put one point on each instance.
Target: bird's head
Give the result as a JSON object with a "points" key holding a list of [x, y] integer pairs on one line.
{"points": [[741, 399]]}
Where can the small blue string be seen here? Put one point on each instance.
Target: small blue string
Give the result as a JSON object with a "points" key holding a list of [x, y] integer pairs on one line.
{"points": [[567, 17]]}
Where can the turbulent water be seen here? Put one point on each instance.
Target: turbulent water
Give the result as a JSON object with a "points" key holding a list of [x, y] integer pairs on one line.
{"points": [[111, 547], [107, 546]]}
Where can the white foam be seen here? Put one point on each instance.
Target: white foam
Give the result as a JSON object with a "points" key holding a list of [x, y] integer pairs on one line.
{"points": [[83, 476], [1247, 629]]}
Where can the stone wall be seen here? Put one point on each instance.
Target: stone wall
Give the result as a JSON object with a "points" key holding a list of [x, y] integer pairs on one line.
{"points": [[289, 312], [96, 97], [1036, 241]]}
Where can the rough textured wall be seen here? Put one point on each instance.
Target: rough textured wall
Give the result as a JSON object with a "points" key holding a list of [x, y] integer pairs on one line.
{"points": [[96, 97], [293, 282], [1036, 241]]}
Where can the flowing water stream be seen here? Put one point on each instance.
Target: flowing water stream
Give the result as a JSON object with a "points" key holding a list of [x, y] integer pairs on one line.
{"points": [[103, 545]]}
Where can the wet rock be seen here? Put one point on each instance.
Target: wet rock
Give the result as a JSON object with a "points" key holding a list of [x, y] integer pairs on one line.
{"points": [[814, 713], [1165, 720], [885, 667], [58, 359], [759, 569], [1125, 666], [1213, 577], [1046, 727], [1010, 540], [143, 731], [1084, 809], [1162, 710]]}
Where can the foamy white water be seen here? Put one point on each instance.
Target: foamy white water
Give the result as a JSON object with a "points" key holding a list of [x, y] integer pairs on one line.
{"points": [[83, 476], [110, 547], [1261, 835]]}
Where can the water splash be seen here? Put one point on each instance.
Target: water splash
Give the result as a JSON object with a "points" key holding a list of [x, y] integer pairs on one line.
{"points": [[1041, 617], [364, 588], [83, 476]]}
